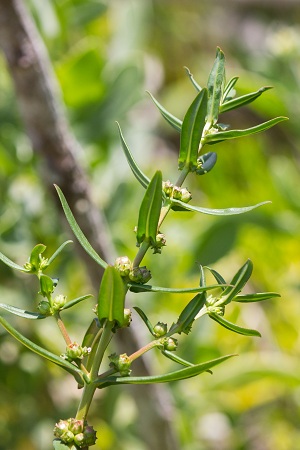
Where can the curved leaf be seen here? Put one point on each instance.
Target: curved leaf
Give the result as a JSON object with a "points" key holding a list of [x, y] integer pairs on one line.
{"points": [[228, 88], [243, 100], [172, 120], [12, 264], [191, 132], [77, 373], [22, 312], [237, 283], [177, 359], [150, 210], [188, 314], [75, 301], [58, 251], [224, 135], [145, 319], [181, 374], [148, 288], [139, 175], [217, 212], [194, 83], [232, 327], [258, 297], [77, 231]]}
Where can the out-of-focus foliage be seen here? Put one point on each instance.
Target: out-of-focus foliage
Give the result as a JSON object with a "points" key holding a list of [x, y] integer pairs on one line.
{"points": [[106, 54]]}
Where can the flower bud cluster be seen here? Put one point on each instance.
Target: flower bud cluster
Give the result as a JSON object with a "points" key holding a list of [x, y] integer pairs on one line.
{"points": [[78, 432], [176, 192], [75, 351], [169, 344], [42, 264], [51, 306], [139, 275], [121, 363]]}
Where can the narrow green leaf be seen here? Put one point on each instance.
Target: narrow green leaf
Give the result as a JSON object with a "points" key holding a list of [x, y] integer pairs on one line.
{"points": [[217, 212], [111, 297], [12, 264], [188, 314], [77, 231], [176, 358], [90, 340], [191, 132], [58, 251], [77, 373], [232, 327], [258, 297], [243, 100], [215, 87], [150, 211], [181, 374], [172, 120], [237, 283], [75, 301], [194, 83], [228, 88], [218, 277], [22, 312], [224, 135], [148, 288], [139, 175], [144, 319]]}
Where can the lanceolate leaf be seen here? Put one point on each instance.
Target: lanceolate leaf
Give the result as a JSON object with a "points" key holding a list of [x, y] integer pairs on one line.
{"points": [[58, 251], [224, 135], [181, 374], [217, 276], [215, 87], [75, 301], [111, 297], [187, 316], [176, 358], [148, 288], [21, 312], [228, 88], [195, 84], [11, 264], [258, 297], [77, 373], [237, 283], [232, 327], [150, 211], [77, 231], [243, 100], [144, 319], [217, 212], [172, 120], [191, 132], [139, 175]]}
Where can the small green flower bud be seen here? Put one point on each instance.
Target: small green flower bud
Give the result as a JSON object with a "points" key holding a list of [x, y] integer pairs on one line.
{"points": [[160, 329], [140, 275], [121, 363], [176, 193], [168, 188], [79, 440], [59, 302], [159, 243], [76, 351], [44, 308], [186, 196], [89, 436], [123, 265], [76, 426], [61, 428], [170, 344]]}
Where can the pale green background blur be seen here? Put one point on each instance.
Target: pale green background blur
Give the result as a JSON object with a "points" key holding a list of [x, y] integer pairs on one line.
{"points": [[106, 55]]}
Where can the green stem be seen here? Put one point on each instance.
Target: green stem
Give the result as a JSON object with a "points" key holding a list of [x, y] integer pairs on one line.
{"points": [[141, 253], [89, 389], [183, 174]]}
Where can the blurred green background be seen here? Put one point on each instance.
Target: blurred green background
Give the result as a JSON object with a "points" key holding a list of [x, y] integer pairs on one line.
{"points": [[106, 54]]}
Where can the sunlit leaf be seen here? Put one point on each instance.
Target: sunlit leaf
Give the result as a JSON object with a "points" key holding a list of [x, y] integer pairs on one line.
{"points": [[237, 283], [111, 297], [188, 314], [217, 212], [139, 175], [194, 83], [148, 288], [243, 100], [224, 135], [150, 211], [232, 327], [191, 132], [215, 87], [75, 301], [21, 312], [257, 297], [181, 374], [77, 231]]}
